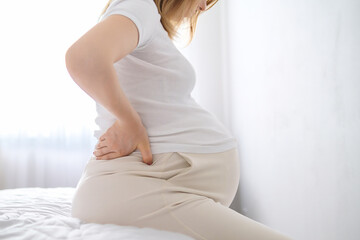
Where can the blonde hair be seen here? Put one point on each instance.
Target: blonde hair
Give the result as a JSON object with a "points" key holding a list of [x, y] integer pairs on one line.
{"points": [[172, 12]]}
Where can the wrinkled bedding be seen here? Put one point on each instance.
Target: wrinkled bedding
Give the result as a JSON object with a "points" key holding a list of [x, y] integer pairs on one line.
{"points": [[44, 213]]}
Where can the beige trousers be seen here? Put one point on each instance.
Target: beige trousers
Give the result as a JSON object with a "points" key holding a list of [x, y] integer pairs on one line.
{"points": [[189, 193]]}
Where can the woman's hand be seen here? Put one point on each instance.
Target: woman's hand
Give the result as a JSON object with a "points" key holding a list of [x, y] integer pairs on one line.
{"points": [[122, 138]]}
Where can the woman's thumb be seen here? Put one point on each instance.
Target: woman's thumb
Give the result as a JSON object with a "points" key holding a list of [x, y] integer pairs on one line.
{"points": [[146, 153]]}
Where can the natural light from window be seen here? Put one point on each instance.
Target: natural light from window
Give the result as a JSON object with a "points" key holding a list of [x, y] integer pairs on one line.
{"points": [[37, 95]]}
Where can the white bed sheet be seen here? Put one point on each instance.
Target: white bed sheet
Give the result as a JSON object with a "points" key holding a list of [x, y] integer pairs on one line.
{"points": [[44, 213]]}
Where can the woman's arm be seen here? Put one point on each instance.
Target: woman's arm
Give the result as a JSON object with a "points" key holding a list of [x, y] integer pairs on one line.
{"points": [[90, 63]]}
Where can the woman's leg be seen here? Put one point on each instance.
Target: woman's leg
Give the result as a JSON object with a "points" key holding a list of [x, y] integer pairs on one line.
{"points": [[180, 192]]}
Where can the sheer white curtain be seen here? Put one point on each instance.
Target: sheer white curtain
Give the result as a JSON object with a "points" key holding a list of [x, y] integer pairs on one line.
{"points": [[46, 120]]}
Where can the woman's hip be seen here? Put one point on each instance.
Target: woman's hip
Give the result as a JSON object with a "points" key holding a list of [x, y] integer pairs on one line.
{"points": [[129, 183]]}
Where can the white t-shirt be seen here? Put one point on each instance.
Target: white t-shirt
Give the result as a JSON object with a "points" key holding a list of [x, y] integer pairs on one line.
{"points": [[158, 80]]}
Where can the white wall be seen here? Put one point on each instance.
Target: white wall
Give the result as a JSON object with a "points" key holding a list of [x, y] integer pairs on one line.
{"points": [[287, 84], [295, 89]]}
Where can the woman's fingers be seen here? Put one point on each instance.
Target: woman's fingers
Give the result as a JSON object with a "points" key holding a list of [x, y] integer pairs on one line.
{"points": [[146, 152], [121, 139], [102, 151], [100, 144], [109, 156]]}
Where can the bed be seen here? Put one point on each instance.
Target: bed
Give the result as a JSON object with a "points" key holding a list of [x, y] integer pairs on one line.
{"points": [[44, 213]]}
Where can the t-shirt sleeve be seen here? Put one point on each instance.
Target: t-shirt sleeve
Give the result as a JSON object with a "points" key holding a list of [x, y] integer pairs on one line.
{"points": [[143, 13]]}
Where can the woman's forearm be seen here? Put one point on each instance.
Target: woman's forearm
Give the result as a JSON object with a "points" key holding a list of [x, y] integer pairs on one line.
{"points": [[99, 80]]}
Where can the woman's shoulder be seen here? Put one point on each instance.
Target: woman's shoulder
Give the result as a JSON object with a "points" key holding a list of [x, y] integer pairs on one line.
{"points": [[145, 10], [143, 13], [137, 4]]}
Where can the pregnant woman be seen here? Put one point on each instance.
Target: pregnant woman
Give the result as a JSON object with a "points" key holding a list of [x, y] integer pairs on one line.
{"points": [[161, 160]]}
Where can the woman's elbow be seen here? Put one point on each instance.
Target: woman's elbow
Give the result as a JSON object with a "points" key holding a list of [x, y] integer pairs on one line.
{"points": [[73, 62], [82, 63]]}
